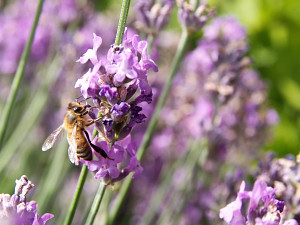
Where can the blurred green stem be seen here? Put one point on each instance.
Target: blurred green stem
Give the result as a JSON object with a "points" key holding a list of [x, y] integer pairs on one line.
{"points": [[197, 153], [77, 194], [31, 115], [152, 125], [18, 76], [96, 204], [194, 162], [122, 21], [163, 97], [150, 42], [56, 173]]}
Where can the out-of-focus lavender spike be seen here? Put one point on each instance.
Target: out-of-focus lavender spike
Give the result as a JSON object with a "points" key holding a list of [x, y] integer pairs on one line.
{"points": [[191, 17], [263, 208], [151, 16], [281, 173], [16, 210]]}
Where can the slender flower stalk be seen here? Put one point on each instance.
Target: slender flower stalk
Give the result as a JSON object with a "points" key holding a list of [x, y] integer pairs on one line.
{"points": [[77, 194], [96, 204], [19, 75], [163, 97], [190, 161], [153, 122], [122, 21], [31, 115], [118, 41]]}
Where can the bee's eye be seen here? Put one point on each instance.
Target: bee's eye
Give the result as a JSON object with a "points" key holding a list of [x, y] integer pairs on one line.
{"points": [[76, 109]]}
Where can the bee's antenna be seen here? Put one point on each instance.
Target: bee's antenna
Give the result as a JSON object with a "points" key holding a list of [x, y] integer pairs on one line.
{"points": [[77, 99], [84, 99]]}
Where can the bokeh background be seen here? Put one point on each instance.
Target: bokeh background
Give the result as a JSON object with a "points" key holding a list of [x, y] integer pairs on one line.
{"points": [[273, 28]]}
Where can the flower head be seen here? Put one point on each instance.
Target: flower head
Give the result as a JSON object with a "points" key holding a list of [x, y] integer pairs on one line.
{"points": [[16, 210], [193, 17], [117, 85], [264, 208], [152, 17]]}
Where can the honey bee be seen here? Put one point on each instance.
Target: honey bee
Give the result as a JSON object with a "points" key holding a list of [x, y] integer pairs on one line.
{"points": [[75, 122]]}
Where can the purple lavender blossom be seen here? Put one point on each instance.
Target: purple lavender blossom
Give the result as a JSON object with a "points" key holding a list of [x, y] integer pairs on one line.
{"points": [[193, 18], [122, 161], [220, 58], [151, 16], [16, 210], [118, 110], [282, 173], [227, 28], [110, 93], [18, 16], [117, 85], [264, 208]]}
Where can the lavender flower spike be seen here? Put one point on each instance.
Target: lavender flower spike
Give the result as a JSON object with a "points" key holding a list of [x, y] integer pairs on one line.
{"points": [[117, 86], [16, 210], [190, 19], [153, 16], [263, 208]]}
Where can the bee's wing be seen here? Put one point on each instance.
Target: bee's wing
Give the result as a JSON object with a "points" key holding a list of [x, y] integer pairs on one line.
{"points": [[49, 142], [72, 151]]}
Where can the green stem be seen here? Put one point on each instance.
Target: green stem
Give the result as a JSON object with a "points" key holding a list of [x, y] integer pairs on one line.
{"points": [[122, 21], [96, 204], [31, 115], [19, 74], [56, 174], [118, 41], [78, 190], [182, 192], [150, 41], [196, 4], [163, 97], [152, 125]]}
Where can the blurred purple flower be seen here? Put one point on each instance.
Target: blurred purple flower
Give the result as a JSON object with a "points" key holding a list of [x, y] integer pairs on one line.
{"points": [[226, 28], [18, 16], [272, 117], [16, 210], [267, 213], [193, 18], [152, 16]]}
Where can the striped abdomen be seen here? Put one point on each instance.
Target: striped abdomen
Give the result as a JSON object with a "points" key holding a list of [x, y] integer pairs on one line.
{"points": [[83, 148]]}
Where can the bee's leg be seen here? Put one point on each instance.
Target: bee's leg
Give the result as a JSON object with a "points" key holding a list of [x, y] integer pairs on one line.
{"points": [[90, 122], [95, 147]]}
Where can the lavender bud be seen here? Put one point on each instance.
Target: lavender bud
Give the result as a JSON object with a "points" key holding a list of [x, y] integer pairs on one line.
{"points": [[152, 17], [118, 110], [108, 127], [193, 18]]}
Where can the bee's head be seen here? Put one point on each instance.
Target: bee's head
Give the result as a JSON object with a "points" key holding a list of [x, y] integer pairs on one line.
{"points": [[77, 107]]}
